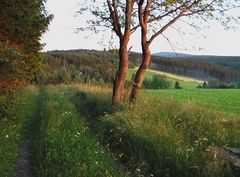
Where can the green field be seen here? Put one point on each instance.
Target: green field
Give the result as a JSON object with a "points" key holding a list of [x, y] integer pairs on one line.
{"points": [[223, 100], [185, 82]]}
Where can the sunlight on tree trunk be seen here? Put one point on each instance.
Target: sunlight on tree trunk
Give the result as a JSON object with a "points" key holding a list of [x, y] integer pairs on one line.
{"points": [[120, 75]]}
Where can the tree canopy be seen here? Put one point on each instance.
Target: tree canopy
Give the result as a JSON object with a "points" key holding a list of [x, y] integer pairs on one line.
{"points": [[21, 26]]}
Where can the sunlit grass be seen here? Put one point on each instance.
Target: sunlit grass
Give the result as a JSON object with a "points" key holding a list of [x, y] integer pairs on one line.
{"points": [[223, 100], [163, 137], [79, 132], [185, 82]]}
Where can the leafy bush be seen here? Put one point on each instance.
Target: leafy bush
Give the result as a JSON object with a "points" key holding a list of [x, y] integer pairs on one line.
{"points": [[214, 83], [177, 85], [156, 83]]}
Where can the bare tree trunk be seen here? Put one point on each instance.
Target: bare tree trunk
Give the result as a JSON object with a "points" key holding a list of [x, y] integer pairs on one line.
{"points": [[120, 75], [146, 54], [140, 73], [123, 52]]}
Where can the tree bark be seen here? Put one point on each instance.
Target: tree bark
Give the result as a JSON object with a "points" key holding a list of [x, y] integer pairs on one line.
{"points": [[121, 74], [140, 73], [146, 54], [118, 86]]}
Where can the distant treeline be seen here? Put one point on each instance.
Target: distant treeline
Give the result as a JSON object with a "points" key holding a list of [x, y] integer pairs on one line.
{"points": [[84, 66], [100, 66], [77, 66], [196, 69]]}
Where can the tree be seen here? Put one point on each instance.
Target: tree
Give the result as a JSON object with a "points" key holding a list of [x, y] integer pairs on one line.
{"points": [[205, 84], [21, 26], [164, 13], [116, 15], [177, 85]]}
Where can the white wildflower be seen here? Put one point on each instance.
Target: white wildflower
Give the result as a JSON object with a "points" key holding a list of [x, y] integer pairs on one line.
{"points": [[138, 170]]}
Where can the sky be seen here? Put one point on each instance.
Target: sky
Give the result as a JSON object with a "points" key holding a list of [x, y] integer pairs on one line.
{"points": [[62, 35]]}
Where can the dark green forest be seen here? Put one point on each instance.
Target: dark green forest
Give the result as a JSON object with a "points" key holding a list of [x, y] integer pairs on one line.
{"points": [[84, 66], [197, 69]]}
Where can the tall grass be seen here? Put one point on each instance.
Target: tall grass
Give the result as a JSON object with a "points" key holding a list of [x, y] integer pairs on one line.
{"points": [[161, 137], [18, 111], [68, 149]]}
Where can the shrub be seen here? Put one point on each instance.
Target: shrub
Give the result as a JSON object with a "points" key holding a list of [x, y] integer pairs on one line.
{"points": [[214, 83], [177, 85], [156, 83]]}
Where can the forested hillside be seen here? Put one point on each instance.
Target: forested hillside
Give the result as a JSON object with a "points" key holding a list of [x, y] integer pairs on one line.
{"points": [[196, 69], [77, 66], [230, 61], [100, 66]]}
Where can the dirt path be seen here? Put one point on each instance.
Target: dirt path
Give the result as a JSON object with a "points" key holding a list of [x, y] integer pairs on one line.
{"points": [[24, 167], [25, 163]]}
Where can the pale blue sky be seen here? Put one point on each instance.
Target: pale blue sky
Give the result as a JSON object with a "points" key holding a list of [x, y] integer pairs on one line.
{"points": [[62, 35]]}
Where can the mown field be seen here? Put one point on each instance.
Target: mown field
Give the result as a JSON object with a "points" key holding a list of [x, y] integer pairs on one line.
{"points": [[74, 131], [223, 100]]}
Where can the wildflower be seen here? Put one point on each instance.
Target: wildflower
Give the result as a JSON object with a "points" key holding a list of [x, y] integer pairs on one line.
{"points": [[7, 136], [96, 163], [138, 170], [205, 139]]}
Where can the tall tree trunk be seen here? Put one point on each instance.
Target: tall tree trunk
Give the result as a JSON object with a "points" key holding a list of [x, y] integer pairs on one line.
{"points": [[143, 15], [140, 73], [123, 52], [121, 74]]}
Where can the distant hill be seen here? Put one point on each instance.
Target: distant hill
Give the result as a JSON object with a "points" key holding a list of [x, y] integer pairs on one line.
{"points": [[172, 54], [231, 61]]}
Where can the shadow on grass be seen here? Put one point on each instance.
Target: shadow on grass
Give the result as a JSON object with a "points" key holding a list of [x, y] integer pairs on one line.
{"points": [[135, 154], [34, 134]]}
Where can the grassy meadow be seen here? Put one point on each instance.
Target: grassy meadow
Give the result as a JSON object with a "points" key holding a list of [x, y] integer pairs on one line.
{"points": [[222, 100], [75, 131]]}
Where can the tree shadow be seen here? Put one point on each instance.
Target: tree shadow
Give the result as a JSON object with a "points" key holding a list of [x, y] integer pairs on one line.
{"points": [[135, 154]]}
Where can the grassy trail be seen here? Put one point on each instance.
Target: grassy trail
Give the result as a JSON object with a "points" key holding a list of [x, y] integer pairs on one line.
{"points": [[64, 142], [76, 132], [55, 141], [25, 159]]}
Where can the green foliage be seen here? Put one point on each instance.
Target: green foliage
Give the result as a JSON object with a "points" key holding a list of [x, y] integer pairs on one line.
{"points": [[214, 83], [77, 66], [21, 27], [156, 83], [201, 69], [205, 84], [177, 85]]}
